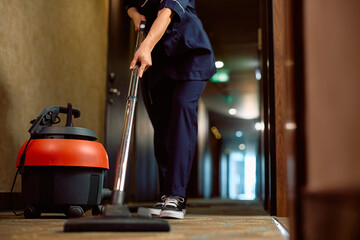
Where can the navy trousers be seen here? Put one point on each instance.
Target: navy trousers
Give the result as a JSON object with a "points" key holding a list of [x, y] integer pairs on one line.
{"points": [[172, 108]]}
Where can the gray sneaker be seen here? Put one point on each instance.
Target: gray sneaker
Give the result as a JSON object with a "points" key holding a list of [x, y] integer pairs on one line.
{"points": [[156, 209]]}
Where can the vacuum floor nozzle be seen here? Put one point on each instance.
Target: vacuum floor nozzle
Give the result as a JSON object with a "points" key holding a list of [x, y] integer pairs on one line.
{"points": [[118, 221]]}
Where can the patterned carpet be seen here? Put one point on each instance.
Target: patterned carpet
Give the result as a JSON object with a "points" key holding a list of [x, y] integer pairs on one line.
{"points": [[206, 219]]}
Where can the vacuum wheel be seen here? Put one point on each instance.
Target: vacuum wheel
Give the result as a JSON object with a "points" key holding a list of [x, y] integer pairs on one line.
{"points": [[98, 210], [31, 212], [74, 211]]}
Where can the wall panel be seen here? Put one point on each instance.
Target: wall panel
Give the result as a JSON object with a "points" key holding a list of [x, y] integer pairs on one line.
{"points": [[51, 53]]}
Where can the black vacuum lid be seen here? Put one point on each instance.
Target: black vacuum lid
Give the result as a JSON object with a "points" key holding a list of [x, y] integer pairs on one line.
{"points": [[67, 132], [42, 126]]}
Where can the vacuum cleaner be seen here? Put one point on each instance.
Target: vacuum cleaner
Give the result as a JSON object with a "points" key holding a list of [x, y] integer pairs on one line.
{"points": [[62, 167], [117, 216]]}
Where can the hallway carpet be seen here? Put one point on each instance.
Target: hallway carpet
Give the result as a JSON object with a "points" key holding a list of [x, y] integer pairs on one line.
{"points": [[206, 219]]}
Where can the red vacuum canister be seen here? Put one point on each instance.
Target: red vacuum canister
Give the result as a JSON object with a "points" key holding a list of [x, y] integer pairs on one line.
{"points": [[62, 167]]}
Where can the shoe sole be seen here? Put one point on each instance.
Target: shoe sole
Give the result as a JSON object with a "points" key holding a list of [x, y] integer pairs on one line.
{"points": [[155, 211], [172, 214]]}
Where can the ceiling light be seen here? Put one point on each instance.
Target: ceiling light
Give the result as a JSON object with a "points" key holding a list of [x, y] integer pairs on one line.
{"points": [[232, 111], [258, 74], [290, 126], [238, 134], [242, 146], [259, 126], [219, 64]]}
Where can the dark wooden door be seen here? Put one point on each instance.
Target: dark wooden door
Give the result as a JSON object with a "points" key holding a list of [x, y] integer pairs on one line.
{"points": [[117, 82]]}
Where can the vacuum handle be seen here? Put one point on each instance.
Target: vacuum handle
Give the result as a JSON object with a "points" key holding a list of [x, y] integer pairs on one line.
{"points": [[123, 154], [141, 35], [134, 79], [69, 112], [74, 111], [48, 117]]}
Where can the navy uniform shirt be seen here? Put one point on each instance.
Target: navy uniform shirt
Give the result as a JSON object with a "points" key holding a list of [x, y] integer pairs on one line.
{"points": [[184, 52]]}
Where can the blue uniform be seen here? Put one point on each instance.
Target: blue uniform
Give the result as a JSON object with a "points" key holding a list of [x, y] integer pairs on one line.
{"points": [[182, 62]]}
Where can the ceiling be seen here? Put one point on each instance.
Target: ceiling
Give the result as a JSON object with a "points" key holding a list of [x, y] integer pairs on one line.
{"points": [[232, 26]]}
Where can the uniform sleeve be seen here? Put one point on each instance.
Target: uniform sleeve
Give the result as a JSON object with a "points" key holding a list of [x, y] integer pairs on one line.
{"points": [[178, 6], [128, 4]]}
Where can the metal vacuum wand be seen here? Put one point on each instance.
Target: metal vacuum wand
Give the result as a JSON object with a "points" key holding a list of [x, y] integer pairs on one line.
{"points": [[123, 154], [117, 216]]}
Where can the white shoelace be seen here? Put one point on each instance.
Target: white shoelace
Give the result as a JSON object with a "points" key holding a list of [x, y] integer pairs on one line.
{"points": [[174, 202], [162, 203]]}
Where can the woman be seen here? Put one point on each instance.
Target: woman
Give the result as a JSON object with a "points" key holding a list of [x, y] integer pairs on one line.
{"points": [[176, 60]]}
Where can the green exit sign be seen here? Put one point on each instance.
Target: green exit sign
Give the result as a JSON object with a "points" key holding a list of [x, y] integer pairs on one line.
{"points": [[220, 76]]}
